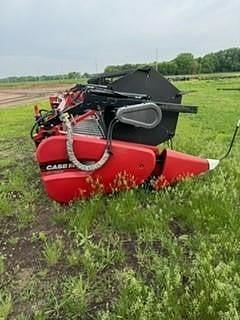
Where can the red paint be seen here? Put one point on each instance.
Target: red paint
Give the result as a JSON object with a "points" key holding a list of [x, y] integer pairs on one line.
{"points": [[129, 166], [175, 166]]}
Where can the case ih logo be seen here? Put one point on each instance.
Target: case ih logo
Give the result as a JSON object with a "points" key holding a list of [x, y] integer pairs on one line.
{"points": [[57, 166]]}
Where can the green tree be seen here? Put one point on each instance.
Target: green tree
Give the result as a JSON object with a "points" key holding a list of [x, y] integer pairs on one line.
{"points": [[209, 64], [185, 63], [73, 75]]}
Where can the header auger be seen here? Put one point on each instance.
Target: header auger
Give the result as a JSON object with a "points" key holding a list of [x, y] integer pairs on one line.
{"points": [[104, 137]]}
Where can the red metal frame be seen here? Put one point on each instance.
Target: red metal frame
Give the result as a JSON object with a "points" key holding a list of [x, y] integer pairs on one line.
{"points": [[130, 165], [174, 166]]}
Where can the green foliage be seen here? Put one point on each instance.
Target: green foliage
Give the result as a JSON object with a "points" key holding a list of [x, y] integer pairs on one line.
{"points": [[45, 78], [126, 213], [5, 305], [222, 61], [95, 257], [125, 67], [52, 251], [209, 63], [140, 254], [2, 264], [137, 300], [185, 64], [39, 236], [83, 214], [227, 60], [74, 299]]}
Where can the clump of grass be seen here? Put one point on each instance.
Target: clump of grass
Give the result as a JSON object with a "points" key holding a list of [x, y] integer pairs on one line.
{"points": [[39, 315], [83, 214], [2, 264], [38, 236], [74, 257], [5, 305], [136, 300], [93, 257], [52, 251], [74, 301], [126, 212], [13, 240]]}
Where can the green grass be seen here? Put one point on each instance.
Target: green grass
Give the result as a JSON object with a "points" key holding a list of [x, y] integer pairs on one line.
{"points": [[52, 251], [142, 255]]}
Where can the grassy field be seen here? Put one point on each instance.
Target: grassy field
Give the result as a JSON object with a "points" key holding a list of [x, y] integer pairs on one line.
{"points": [[138, 255], [43, 83]]}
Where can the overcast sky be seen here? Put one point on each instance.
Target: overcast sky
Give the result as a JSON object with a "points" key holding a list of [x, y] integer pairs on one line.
{"points": [[60, 36]]}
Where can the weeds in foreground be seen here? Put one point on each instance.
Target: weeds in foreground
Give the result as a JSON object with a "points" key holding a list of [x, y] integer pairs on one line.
{"points": [[134, 255], [2, 264], [74, 300], [52, 251], [5, 305]]}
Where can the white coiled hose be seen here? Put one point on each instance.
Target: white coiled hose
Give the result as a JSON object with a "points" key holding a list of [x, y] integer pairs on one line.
{"points": [[71, 155]]}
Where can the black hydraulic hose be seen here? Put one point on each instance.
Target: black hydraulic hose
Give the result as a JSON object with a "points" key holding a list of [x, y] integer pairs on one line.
{"points": [[40, 119], [112, 124], [34, 127], [232, 141]]}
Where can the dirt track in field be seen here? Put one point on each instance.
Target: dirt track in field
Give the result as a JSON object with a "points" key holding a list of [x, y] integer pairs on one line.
{"points": [[15, 96]]}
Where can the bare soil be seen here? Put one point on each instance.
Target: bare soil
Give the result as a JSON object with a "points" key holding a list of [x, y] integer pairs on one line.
{"points": [[15, 96]]}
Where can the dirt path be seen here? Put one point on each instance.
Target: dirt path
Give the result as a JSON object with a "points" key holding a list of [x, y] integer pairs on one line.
{"points": [[15, 96]]}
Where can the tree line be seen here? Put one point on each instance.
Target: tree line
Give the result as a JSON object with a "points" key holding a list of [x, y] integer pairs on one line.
{"points": [[56, 77], [184, 64]]}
